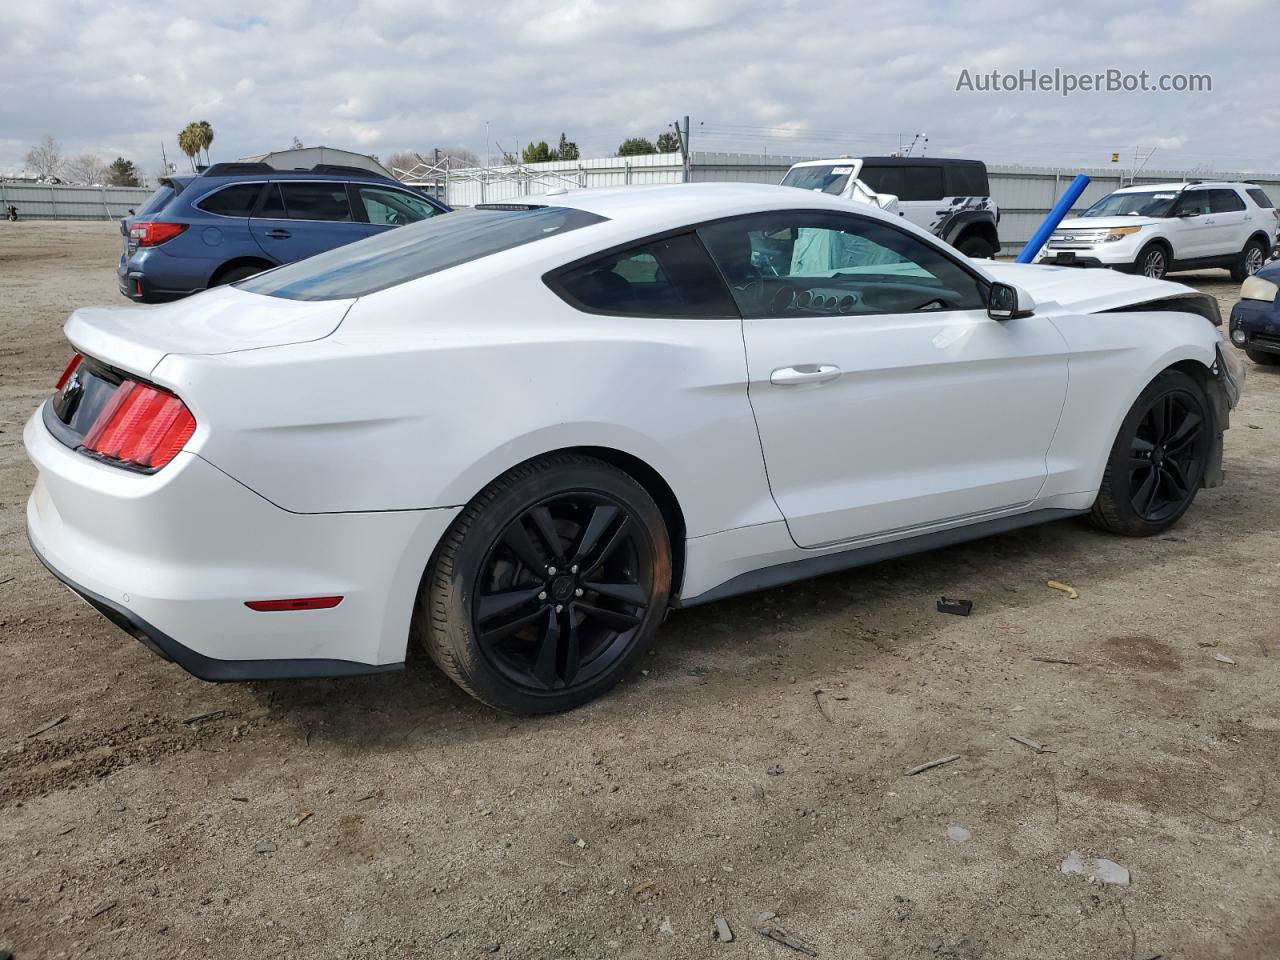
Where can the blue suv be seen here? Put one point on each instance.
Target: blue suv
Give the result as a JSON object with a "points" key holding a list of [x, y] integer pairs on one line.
{"points": [[238, 219]]}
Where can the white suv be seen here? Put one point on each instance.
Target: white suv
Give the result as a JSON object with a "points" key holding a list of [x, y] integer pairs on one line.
{"points": [[1155, 228]]}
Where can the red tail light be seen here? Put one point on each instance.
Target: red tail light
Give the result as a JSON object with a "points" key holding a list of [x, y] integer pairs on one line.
{"points": [[66, 374], [141, 425], [153, 234], [302, 603]]}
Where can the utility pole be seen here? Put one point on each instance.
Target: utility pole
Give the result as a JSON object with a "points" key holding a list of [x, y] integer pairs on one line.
{"points": [[683, 133]]}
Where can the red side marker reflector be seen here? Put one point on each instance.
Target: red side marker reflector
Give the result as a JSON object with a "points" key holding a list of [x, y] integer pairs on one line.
{"points": [[302, 603], [66, 374]]}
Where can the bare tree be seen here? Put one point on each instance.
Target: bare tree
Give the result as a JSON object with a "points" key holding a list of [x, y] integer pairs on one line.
{"points": [[45, 158], [87, 168]]}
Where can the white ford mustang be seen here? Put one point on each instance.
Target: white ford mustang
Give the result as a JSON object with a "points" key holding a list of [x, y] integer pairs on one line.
{"points": [[520, 433]]}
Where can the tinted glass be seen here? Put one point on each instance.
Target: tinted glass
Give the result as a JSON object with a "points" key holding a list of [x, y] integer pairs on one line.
{"points": [[1145, 203], [1225, 201], [883, 179], [272, 204], [817, 264], [1192, 203], [830, 179], [429, 246], [316, 201], [663, 278], [922, 183], [393, 207], [1260, 197], [967, 180], [236, 200], [156, 201]]}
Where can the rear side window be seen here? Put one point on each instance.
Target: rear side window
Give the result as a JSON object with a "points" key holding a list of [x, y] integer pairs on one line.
{"points": [[316, 201], [1225, 201], [429, 246], [670, 278], [1259, 196], [236, 200], [968, 180], [922, 183]]}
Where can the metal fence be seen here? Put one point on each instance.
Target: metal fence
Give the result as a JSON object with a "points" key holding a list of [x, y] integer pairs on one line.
{"points": [[57, 201], [1024, 194]]}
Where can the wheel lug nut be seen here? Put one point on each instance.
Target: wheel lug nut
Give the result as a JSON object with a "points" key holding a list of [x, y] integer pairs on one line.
{"points": [[574, 568], [542, 595], [559, 608], [579, 592], [551, 570]]}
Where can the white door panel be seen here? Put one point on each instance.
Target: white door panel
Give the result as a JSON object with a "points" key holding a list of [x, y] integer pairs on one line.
{"points": [[904, 435]]}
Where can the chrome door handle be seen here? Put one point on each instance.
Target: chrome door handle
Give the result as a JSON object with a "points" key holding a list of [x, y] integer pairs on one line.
{"points": [[804, 373]]}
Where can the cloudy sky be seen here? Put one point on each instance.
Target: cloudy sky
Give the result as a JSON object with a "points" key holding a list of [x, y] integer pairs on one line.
{"points": [[119, 77]]}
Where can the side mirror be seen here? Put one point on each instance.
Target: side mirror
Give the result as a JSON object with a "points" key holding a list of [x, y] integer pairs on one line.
{"points": [[1007, 302]]}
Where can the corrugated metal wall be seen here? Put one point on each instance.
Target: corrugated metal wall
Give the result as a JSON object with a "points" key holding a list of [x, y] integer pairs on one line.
{"points": [[1024, 194], [53, 201]]}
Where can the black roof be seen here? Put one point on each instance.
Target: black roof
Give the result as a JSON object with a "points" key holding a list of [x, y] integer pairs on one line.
{"points": [[918, 161]]}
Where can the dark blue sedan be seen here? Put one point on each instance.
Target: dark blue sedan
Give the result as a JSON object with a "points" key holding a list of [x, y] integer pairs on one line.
{"points": [[1255, 319], [238, 219]]}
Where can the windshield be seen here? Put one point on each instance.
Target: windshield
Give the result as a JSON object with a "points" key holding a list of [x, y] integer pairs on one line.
{"points": [[1144, 204], [414, 251], [830, 179]]}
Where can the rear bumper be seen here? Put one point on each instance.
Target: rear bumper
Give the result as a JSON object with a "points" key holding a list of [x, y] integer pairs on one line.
{"points": [[173, 557]]}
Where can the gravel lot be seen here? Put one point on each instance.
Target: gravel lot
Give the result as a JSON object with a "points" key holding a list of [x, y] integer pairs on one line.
{"points": [[757, 761]]}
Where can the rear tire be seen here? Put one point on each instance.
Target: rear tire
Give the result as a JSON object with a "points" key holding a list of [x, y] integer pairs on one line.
{"points": [[1252, 259], [547, 585], [1262, 358], [975, 247], [236, 274], [1158, 459]]}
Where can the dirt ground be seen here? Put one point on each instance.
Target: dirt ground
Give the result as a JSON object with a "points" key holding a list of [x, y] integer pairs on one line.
{"points": [[756, 762]]}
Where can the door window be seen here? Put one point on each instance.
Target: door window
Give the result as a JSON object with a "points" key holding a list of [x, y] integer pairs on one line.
{"points": [[236, 200], [922, 183], [883, 179], [670, 278], [814, 264], [1225, 201], [1194, 204], [316, 201], [393, 208]]}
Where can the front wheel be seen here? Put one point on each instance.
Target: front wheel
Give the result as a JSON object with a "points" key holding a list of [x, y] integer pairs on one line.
{"points": [[975, 247], [1152, 262], [1158, 459], [547, 585]]}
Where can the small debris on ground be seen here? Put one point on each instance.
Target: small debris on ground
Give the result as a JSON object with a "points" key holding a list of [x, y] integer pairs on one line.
{"points": [[1223, 658], [1097, 871], [642, 891], [206, 716], [1074, 663], [775, 770], [102, 908], [1028, 742], [301, 818], [265, 847], [47, 726], [665, 926], [961, 608], [932, 763], [766, 928], [1206, 643], [723, 932], [1070, 591], [958, 833]]}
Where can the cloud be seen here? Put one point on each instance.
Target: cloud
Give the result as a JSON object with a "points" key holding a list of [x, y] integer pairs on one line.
{"points": [[787, 77]]}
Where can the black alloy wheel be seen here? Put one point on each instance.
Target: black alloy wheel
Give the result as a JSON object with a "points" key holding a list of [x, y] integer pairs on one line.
{"points": [[1158, 460], [547, 585]]}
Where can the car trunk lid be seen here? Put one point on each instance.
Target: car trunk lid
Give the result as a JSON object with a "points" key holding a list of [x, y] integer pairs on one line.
{"points": [[223, 320]]}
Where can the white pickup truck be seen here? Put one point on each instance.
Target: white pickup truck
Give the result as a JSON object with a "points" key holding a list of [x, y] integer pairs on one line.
{"points": [[949, 198]]}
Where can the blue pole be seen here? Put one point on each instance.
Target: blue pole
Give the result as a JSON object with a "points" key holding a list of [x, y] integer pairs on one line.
{"points": [[1056, 215]]}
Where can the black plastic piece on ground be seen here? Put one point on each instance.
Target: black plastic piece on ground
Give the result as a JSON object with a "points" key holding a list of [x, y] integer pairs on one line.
{"points": [[961, 608]]}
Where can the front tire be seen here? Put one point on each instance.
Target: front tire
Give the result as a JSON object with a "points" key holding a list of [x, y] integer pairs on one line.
{"points": [[1153, 261], [1252, 258], [547, 585], [1158, 459], [1262, 358], [975, 247]]}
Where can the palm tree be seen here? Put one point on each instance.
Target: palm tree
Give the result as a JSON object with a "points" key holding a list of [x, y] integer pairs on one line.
{"points": [[205, 131], [189, 143]]}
